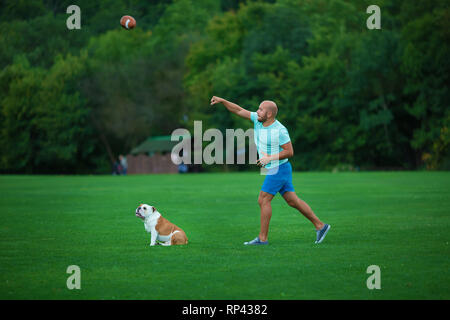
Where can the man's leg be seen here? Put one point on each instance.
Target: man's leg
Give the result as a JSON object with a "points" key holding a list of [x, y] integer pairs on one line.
{"points": [[295, 202], [264, 200]]}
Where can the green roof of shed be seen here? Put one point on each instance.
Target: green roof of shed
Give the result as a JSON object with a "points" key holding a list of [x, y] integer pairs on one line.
{"points": [[156, 144]]}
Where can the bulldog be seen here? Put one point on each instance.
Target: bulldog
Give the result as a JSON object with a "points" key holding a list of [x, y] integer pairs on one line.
{"points": [[161, 229]]}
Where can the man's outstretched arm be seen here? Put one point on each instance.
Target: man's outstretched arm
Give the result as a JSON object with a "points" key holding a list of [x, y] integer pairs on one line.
{"points": [[232, 107]]}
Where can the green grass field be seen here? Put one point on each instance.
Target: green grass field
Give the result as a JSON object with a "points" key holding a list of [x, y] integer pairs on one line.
{"points": [[398, 221]]}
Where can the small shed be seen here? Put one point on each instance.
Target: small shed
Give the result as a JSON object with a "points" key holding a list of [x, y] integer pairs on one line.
{"points": [[152, 156]]}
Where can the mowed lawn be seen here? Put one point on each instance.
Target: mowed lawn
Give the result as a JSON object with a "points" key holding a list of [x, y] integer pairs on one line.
{"points": [[398, 221]]}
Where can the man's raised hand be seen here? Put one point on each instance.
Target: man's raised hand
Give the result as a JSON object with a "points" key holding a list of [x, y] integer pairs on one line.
{"points": [[215, 100]]}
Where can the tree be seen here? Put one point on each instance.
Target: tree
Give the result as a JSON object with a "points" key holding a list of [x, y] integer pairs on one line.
{"points": [[45, 123]]}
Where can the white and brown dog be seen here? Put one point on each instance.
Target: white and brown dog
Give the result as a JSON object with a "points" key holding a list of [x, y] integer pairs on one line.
{"points": [[161, 229]]}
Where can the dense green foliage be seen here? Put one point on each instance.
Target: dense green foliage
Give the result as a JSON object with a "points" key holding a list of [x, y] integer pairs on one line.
{"points": [[89, 221], [72, 100]]}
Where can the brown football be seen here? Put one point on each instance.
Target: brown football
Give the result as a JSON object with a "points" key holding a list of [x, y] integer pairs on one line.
{"points": [[128, 22]]}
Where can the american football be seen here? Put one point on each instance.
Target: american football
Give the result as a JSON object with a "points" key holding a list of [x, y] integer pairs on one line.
{"points": [[128, 22]]}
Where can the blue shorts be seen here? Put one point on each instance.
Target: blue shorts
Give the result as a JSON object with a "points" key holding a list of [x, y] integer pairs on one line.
{"points": [[280, 181]]}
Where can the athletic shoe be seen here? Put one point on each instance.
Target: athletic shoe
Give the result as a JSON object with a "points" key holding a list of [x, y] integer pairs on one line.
{"points": [[256, 241], [322, 233]]}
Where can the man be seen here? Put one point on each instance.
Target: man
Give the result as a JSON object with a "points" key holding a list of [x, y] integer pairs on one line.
{"points": [[123, 164], [274, 144]]}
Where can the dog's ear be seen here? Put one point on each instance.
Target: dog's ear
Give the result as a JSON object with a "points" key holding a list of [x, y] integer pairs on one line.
{"points": [[154, 209]]}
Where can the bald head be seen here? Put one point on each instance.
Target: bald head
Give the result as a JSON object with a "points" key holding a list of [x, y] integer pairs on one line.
{"points": [[270, 106]]}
